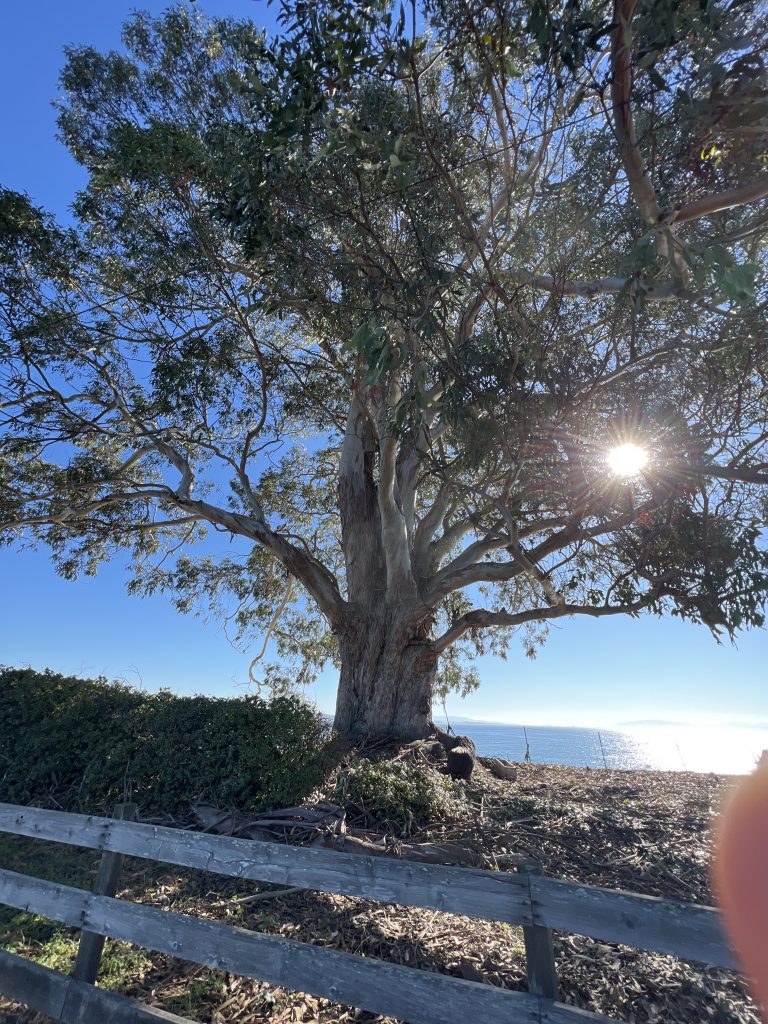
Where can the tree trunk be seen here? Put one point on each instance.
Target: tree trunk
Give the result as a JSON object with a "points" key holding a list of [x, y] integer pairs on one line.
{"points": [[386, 682], [388, 665]]}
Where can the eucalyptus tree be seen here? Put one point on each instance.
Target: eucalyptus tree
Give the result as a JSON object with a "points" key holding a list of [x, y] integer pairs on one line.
{"points": [[453, 320]]}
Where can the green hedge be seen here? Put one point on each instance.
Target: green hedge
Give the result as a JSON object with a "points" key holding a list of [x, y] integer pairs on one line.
{"points": [[83, 744]]}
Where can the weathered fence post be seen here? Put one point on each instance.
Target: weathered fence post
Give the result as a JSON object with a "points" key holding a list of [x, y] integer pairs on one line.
{"points": [[539, 953], [91, 945]]}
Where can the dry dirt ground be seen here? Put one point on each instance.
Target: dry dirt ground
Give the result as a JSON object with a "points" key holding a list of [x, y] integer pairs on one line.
{"points": [[648, 832]]}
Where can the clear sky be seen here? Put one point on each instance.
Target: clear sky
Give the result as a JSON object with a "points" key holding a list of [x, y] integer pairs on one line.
{"points": [[589, 673]]}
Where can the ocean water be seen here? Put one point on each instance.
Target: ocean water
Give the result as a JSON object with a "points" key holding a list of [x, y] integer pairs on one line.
{"points": [[726, 750]]}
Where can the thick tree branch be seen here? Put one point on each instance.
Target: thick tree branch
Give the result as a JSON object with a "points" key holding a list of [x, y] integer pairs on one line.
{"points": [[447, 580], [623, 121], [478, 549], [361, 538], [741, 474], [393, 529], [320, 583], [428, 526], [308, 570], [596, 287], [479, 572], [749, 193], [408, 475], [522, 557], [481, 618], [450, 538]]}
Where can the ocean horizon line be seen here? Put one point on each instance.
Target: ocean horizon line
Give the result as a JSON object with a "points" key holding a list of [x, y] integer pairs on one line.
{"points": [[639, 723]]}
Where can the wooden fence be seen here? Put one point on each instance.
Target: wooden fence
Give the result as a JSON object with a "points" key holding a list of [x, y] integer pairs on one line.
{"points": [[525, 898]]}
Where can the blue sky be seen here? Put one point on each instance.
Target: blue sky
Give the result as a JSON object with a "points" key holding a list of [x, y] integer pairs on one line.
{"points": [[589, 672]]}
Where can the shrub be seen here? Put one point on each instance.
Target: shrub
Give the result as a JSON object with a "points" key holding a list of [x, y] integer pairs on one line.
{"points": [[521, 807], [399, 794], [84, 744]]}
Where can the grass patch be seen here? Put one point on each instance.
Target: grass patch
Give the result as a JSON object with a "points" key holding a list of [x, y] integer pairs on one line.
{"points": [[47, 941], [122, 965], [204, 993], [55, 862]]}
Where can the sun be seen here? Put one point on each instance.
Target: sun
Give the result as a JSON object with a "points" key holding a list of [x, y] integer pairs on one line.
{"points": [[627, 459]]}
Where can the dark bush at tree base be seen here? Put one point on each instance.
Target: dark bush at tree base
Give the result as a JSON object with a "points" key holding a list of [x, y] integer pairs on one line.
{"points": [[83, 744]]}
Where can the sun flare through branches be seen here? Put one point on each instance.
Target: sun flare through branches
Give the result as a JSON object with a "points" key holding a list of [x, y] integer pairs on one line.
{"points": [[627, 459]]}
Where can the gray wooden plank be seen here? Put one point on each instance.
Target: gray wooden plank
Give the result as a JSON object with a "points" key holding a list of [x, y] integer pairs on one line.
{"points": [[91, 945], [488, 895], [415, 996], [37, 987], [71, 1001], [647, 922], [561, 1013], [44, 990]]}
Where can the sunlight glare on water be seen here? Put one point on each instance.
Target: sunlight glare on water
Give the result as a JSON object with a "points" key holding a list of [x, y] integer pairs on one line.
{"points": [[700, 748], [731, 750]]}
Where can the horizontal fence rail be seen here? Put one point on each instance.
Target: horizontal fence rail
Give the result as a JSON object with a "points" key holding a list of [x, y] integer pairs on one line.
{"points": [[419, 997], [64, 998], [646, 922]]}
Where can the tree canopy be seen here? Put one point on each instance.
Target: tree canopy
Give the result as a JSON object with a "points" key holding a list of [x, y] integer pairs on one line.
{"points": [[379, 297]]}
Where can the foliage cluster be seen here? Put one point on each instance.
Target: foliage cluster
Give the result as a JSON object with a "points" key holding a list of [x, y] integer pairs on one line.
{"points": [[85, 744], [402, 794], [375, 298]]}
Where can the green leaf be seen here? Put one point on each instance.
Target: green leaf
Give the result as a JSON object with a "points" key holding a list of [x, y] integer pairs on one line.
{"points": [[738, 282]]}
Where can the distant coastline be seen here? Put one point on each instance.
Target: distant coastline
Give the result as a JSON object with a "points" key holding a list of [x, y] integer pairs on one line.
{"points": [[615, 726]]}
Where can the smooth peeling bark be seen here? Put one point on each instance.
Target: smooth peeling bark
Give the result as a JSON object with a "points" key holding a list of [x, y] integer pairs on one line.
{"points": [[386, 682], [359, 510]]}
